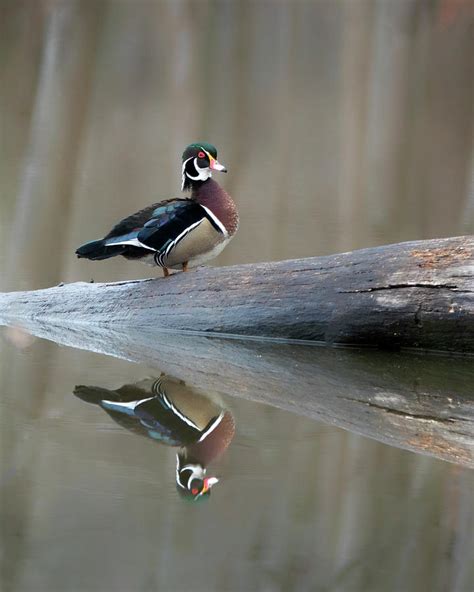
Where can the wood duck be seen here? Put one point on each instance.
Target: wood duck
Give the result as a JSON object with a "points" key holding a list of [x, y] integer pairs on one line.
{"points": [[175, 414], [179, 232]]}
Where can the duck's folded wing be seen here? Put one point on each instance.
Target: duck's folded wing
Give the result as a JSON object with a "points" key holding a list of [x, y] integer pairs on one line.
{"points": [[164, 422], [159, 227], [170, 224]]}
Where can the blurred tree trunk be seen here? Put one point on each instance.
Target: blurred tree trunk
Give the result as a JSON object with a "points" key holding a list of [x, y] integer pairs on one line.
{"points": [[69, 31], [355, 76], [21, 32], [42, 210], [439, 135]]}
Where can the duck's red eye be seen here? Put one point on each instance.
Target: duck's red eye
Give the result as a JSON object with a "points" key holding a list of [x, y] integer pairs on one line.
{"points": [[201, 155], [194, 491]]}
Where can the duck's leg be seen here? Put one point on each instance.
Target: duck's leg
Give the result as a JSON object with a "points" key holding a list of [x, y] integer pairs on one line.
{"points": [[166, 271], [185, 266]]}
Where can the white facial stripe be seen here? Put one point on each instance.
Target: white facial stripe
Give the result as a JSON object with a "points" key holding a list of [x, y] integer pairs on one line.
{"points": [[183, 173], [178, 476], [203, 174], [197, 472]]}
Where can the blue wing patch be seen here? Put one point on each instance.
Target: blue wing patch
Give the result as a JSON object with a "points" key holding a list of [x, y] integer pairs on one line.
{"points": [[117, 240]]}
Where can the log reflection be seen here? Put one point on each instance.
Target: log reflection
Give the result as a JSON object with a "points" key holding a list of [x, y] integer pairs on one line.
{"points": [[422, 403]]}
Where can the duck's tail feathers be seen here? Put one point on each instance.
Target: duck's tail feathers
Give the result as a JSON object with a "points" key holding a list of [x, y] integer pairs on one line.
{"points": [[97, 250], [92, 394]]}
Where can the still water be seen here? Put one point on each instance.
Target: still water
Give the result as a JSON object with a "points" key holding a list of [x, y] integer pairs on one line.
{"points": [[89, 488]]}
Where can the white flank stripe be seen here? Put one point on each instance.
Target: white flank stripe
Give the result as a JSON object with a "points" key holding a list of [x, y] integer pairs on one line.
{"points": [[212, 427], [134, 242], [216, 220], [178, 413], [129, 405], [181, 236]]}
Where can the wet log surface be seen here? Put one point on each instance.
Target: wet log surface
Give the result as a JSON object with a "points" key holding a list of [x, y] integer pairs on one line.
{"points": [[416, 294]]}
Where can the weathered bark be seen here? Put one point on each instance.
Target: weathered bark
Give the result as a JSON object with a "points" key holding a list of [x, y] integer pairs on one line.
{"points": [[417, 294]]}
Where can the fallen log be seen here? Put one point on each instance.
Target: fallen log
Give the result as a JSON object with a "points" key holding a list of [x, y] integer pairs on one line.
{"points": [[415, 294]]}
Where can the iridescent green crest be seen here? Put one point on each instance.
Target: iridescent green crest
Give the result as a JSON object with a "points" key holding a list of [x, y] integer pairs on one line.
{"points": [[197, 145]]}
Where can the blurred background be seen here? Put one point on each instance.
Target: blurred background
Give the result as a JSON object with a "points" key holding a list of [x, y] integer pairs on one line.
{"points": [[344, 124]]}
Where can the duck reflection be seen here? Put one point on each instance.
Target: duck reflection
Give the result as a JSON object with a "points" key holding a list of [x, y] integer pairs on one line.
{"points": [[175, 414]]}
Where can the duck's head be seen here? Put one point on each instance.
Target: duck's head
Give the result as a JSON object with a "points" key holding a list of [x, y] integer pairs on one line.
{"points": [[199, 160], [191, 480]]}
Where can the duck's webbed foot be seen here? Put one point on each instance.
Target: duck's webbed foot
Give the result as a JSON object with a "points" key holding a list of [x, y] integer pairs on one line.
{"points": [[185, 266], [166, 271]]}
